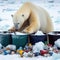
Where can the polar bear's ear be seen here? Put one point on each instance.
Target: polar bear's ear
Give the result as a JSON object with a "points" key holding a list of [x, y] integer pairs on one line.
{"points": [[12, 15]]}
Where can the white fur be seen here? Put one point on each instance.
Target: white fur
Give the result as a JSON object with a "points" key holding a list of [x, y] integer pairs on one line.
{"points": [[39, 18]]}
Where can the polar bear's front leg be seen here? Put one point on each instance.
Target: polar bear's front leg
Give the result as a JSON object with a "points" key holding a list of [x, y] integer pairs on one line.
{"points": [[34, 23], [29, 29], [33, 27]]}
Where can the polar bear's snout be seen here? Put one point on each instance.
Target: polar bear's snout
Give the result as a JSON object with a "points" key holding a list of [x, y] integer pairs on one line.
{"points": [[16, 25]]}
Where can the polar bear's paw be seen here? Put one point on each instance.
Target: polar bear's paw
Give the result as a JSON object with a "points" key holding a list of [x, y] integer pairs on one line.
{"points": [[28, 30], [12, 30]]}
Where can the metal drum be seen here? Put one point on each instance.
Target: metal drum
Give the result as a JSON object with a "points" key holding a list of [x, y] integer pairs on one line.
{"points": [[19, 40], [53, 36], [37, 38]]}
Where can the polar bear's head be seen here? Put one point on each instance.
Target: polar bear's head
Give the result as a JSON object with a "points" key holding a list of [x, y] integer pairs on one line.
{"points": [[21, 16]]}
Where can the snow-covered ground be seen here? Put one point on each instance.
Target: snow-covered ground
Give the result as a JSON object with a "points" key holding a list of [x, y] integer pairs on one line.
{"points": [[17, 57]]}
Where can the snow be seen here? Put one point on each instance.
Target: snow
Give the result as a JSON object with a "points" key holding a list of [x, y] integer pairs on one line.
{"points": [[18, 33], [38, 46], [17, 57], [39, 33]]}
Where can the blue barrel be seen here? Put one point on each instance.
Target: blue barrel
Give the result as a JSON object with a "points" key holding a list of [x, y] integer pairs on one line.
{"points": [[19, 40], [37, 38], [5, 39]]}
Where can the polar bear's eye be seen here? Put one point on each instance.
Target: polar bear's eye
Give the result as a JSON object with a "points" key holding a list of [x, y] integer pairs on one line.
{"points": [[23, 15]]}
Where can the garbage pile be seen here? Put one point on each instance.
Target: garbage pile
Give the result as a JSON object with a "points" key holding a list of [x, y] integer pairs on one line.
{"points": [[39, 49]]}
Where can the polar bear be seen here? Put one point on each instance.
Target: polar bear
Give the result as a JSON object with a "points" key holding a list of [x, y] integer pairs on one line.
{"points": [[31, 18]]}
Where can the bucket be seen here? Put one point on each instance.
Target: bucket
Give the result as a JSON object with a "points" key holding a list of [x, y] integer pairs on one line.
{"points": [[5, 39], [53, 36], [19, 40]]}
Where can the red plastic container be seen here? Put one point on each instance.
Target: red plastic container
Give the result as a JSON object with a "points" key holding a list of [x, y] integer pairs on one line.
{"points": [[42, 52]]}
